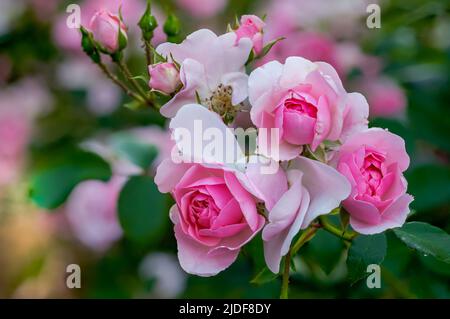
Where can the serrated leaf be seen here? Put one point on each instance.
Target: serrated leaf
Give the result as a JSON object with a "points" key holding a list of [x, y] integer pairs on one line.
{"points": [[426, 239], [364, 251]]}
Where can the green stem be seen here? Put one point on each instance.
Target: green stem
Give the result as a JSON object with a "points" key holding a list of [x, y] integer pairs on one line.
{"points": [[119, 83], [306, 236], [285, 283], [331, 228], [148, 52], [123, 67]]}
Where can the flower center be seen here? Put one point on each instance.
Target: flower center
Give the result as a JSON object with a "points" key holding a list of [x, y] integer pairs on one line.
{"points": [[221, 103], [204, 211], [300, 105], [372, 172]]}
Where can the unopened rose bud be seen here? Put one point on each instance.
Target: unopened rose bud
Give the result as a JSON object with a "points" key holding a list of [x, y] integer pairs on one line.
{"points": [[164, 77], [172, 28], [109, 31], [251, 27], [88, 45], [147, 23]]}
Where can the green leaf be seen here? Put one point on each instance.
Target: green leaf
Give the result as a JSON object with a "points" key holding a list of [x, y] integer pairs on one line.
{"points": [[137, 152], [364, 251], [142, 210], [430, 186], [263, 277], [325, 250], [269, 46], [426, 239], [50, 186]]}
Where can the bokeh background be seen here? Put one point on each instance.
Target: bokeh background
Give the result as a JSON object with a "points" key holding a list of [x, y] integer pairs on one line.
{"points": [[62, 121]]}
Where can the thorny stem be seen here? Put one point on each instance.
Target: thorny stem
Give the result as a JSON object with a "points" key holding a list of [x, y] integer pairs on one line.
{"points": [[148, 52], [120, 83]]}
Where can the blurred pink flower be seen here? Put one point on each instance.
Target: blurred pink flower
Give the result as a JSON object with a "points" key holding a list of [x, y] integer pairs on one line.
{"points": [[203, 8], [91, 212], [386, 98], [309, 45], [373, 161]]}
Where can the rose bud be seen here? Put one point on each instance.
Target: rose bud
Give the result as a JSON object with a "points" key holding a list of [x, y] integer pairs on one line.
{"points": [[109, 31], [164, 77], [251, 27]]}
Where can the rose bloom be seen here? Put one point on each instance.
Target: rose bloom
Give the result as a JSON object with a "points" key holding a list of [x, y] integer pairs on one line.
{"points": [[106, 28], [164, 77], [306, 102], [307, 190], [373, 161], [212, 68], [214, 214], [251, 27]]}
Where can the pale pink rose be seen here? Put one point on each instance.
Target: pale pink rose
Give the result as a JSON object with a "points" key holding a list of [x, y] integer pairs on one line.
{"points": [[309, 45], [306, 102], [91, 212], [164, 77], [215, 214], [203, 8], [373, 161], [106, 28], [251, 27], [386, 98], [310, 189], [209, 63]]}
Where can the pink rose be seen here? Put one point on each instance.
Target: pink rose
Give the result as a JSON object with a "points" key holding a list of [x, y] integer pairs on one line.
{"points": [[306, 102], [164, 77], [215, 214], [203, 8], [92, 212], [310, 189], [251, 27], [107, 28], [385, 97], [373, 161]]}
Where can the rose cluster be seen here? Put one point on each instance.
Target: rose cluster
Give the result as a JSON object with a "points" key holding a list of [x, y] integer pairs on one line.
{"points": [[308, 126]]}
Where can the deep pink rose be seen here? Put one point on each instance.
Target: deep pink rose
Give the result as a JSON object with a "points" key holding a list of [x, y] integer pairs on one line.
{"points": [[214, 215], [106, 28], [373, 161], [306, 102], [251, 27], [164, 77]]}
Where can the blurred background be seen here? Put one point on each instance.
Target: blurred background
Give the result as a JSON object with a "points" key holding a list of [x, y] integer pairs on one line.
{"points": [[64, 132]]}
